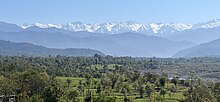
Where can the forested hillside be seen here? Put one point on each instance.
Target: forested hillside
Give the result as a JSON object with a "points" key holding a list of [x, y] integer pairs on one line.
{"points": [[12, 49]]}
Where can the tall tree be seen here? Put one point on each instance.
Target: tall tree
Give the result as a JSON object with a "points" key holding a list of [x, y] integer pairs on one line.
{"points": [[216, 91], [175, 81], [162, 81], [73, 95], [114, 78], [141, 91], [149, 90], [198, 93]]}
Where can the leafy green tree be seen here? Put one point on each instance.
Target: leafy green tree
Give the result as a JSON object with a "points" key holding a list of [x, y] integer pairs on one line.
{"points": [[33, 81], [88, 76], [106, 82], [23, 97], [88, 97], [174, 81], [141, 81], [114, 78], [68, 81], [121, 79], [135, 76], [26, 86], [73, 95], [198, 93], [118, 87], [8, 86], [216, 91], [141, 91], [135, 85], [127, 87], [81, 87], [163, 92], [159, 99], [124, 91], [36, 98], [99, 89], [150, 77], [162, 81], [149, 90], [105, 68], [52, 93]]}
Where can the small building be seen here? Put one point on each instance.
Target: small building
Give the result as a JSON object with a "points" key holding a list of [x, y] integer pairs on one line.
{"points": [[8, 98]]}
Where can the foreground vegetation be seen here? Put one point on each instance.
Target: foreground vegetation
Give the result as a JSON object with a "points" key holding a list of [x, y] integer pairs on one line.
{"points": [[105, 79]]}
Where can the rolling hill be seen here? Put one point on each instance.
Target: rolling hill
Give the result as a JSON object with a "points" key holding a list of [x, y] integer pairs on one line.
{"points": [[203, 50], [12, 49]]}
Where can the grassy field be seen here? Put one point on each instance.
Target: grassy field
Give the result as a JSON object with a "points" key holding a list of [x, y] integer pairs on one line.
{"points": [[133, 95], [74, 81], [99, 66]]}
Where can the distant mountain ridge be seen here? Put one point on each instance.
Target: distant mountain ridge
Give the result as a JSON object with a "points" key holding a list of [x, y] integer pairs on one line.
{"points": [[129, 26], [115, 27], [13, 49], [203, 50], [160, 40], [9, 27], [125, 44]]}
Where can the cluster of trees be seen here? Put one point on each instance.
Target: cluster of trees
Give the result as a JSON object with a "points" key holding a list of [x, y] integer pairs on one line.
{"points": [[33, 79], [30, 86], [149, 85], [71, 66], [201, 92]]}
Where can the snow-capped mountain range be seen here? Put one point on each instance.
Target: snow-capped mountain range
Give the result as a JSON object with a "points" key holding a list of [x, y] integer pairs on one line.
{"points": [[169, 38], [129, 26]]}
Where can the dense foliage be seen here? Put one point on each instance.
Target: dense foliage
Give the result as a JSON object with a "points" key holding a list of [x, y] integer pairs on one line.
{"points": [[103, 79]]}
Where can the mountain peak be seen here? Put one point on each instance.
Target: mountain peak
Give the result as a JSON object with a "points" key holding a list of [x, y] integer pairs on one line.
{"points": [[128, 26]]}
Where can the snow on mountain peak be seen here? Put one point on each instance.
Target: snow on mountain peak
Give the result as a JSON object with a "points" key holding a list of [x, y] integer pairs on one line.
{"points": [[179, 26], [211, 24], [129, 26], [156, 26]]}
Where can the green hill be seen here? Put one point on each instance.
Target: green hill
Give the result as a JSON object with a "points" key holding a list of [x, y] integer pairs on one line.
{"points": [[12, 49]]}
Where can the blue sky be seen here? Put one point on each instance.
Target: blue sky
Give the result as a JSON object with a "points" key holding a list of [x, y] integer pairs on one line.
{"points": [[98, 11]]}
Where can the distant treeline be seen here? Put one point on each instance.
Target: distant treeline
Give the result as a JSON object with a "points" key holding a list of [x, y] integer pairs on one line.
{"points": [[95, 65]]}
